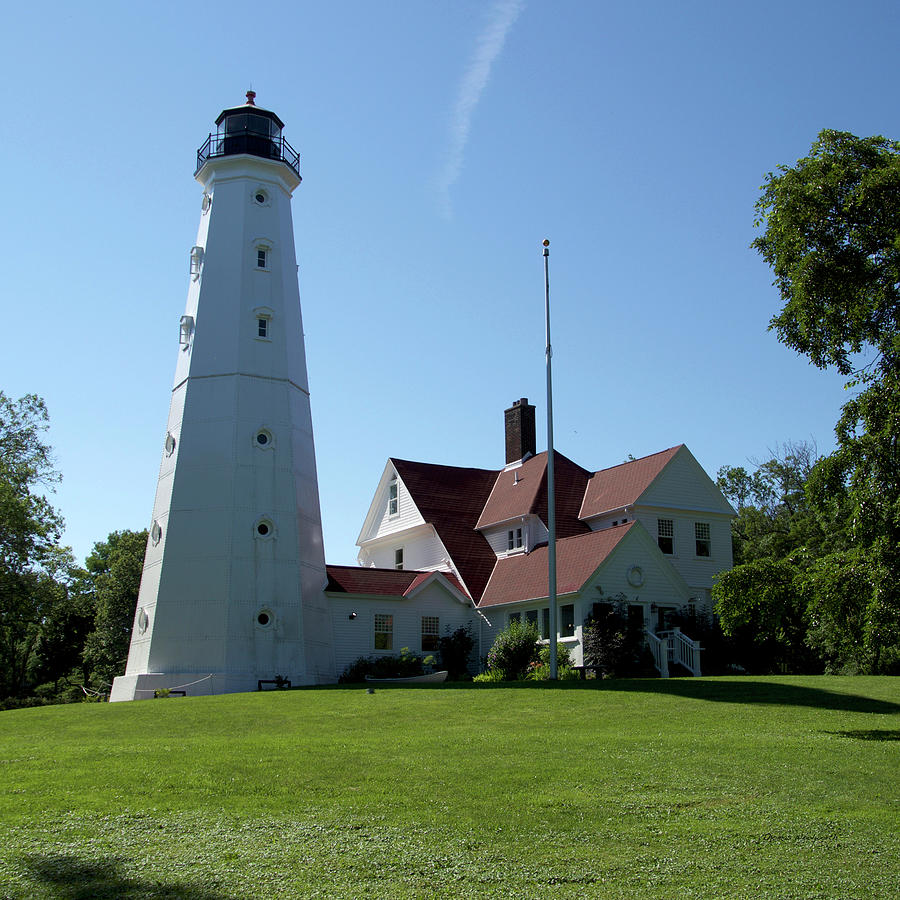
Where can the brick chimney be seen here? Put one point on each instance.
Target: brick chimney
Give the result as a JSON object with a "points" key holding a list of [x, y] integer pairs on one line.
{"points": [[520, 434]]}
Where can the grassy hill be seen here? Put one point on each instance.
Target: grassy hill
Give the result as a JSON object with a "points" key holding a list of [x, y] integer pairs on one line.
{"points": [[742, 787]]}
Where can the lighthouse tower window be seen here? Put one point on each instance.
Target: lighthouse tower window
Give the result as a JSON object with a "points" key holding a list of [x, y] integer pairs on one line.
{"points": [[196, 262], [262, 258], [262, 327]]}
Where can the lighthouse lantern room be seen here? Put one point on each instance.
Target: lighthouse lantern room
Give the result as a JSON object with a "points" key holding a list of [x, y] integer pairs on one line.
{"points": [[234, 574]]}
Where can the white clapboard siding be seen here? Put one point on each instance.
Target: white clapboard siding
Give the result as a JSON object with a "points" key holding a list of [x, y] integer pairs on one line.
{"points": [[356, 637], [697, 571], [422, 550], [683, 484]]}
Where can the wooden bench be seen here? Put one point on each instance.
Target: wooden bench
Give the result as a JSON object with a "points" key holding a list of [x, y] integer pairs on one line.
{"points": [[583, 670], [281, 684]]}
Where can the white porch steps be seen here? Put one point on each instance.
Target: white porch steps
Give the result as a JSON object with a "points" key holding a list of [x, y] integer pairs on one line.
{"points": [[673, 646]]}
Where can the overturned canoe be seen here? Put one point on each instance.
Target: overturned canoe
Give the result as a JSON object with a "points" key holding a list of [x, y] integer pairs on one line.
{"points": [[430, 678]]}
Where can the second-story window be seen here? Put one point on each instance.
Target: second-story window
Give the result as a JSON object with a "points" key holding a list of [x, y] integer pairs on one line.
{"points": [[393, 498], [398, 558], [665, 535], [702, 537]]}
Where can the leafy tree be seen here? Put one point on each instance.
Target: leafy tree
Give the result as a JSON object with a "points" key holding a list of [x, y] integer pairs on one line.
{"points": [[113, 577], [30, 560], [761, 603], [853, 607], [775, 515], [832, 238]]}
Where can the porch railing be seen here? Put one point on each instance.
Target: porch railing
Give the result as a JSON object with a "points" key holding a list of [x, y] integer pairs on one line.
{"points": [[673, 646]]}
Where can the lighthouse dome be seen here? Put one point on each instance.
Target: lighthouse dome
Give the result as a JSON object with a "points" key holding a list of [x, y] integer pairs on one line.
{"points": [[252, 130]]}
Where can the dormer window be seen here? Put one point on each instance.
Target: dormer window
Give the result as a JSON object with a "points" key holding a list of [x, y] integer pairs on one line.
{"points": [[393, 498], [514, 540]]}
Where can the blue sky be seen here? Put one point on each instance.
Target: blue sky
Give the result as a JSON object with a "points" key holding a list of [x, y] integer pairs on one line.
{"points": [[440, 143]]}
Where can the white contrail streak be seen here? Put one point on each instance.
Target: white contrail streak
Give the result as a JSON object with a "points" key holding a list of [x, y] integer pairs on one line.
{"points": [[488, 47]]}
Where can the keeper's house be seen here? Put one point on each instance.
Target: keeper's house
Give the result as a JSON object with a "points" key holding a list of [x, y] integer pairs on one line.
{"points": [[443, 546]]}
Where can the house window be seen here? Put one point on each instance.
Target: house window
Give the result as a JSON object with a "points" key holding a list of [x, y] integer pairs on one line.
{"points": [[545, 623], [393, 498], [384, 632], [398, 558], [531, 617], [567, 620], [262, 327], [430, 632], [701, 534], [515, 617], [514, 539], [262, 258], [665, 535]]}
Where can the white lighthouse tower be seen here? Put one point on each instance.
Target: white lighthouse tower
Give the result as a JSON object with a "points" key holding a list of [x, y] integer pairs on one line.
{"points": [[232, 588]]}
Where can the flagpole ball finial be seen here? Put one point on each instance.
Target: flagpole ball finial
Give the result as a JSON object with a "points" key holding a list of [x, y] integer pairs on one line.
{"points": [[546, 242]]}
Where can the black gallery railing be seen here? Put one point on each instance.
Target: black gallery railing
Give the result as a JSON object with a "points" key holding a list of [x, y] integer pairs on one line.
{"points": [[252, 142]]}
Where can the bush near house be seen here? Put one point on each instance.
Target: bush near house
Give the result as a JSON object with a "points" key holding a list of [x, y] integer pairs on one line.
{"points": [[613, 643], [403, 666], [455, 652], [514, 650]]}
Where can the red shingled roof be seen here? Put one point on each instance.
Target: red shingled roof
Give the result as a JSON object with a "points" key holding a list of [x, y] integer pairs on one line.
{"points": [[622, 485], [524, 576], [451, 498], [523, 491], [387, 582]]}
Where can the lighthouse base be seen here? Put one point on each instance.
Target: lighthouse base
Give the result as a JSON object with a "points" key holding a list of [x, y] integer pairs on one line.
{"points": [[149, 685]]}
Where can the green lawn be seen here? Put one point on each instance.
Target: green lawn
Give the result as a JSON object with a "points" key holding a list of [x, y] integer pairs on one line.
{"points": [[715, 787]]}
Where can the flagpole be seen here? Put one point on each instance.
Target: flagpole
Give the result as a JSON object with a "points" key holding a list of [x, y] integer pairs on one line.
{"points": [[551, 495]]}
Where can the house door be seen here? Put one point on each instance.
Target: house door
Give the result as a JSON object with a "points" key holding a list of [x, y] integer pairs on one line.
{"points": [[663, 613]]}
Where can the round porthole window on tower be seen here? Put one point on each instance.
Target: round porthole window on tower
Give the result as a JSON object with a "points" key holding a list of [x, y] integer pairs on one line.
{"points": [[263, 439], [205, 203], [155, 533], [265, 618], [260, 197], [264, 529], [170, 443]]}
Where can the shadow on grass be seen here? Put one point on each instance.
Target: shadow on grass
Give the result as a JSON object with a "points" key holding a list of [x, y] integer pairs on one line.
{"points": [[873, 734], [736, 690], [70, 877]]}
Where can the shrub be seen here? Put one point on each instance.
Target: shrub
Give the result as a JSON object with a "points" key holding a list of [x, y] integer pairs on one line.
{"points": [[541, 672], [563, 656], [614, 643], [490, 676], [455, 651], [514, 650]]}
